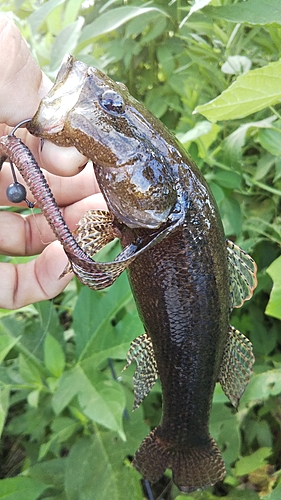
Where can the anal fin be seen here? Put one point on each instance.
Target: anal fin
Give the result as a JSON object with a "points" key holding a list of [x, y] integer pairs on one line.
{"points": [[146, 374], [243, 274], [236, 366]]}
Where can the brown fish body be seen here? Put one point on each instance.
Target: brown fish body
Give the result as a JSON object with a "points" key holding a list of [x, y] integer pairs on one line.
{"points": [[181, 291], [174, 245]]}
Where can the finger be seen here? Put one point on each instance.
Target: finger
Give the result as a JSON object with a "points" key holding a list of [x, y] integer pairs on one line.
{"points": [[22, 86], [28, 235], [66, 190], [34, 281]]}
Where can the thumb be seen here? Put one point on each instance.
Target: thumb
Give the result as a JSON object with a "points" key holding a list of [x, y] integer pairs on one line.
{"points": [[22, 84]]}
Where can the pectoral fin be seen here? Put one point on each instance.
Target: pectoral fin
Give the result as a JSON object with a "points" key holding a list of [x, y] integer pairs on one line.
{"points": [[94, 231], [236, 366], [243, 274], [146, 374]]}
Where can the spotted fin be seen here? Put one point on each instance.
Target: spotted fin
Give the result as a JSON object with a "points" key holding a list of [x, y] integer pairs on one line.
{"points": [[146, 374], [236, 366], [94, 231], [243, 274], [194, 467], [99, 275]]}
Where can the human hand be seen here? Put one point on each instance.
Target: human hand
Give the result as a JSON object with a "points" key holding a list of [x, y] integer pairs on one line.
{"points": [[22, 85]]}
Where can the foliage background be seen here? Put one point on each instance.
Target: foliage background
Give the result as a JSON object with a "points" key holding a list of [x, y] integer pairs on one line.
{"points": [[68, 432]]}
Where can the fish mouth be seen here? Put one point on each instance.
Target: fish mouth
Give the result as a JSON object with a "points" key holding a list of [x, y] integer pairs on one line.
{"points": [[52, 113]]}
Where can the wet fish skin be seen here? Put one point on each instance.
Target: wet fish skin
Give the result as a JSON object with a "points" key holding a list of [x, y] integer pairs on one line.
{"points": [[181, 290], [179, 265]]}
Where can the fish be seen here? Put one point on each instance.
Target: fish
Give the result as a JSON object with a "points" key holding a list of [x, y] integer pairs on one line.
{"points": [[185, 276]]}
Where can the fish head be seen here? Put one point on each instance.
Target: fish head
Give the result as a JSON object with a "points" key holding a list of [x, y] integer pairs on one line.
{"points": [[87, 109]]}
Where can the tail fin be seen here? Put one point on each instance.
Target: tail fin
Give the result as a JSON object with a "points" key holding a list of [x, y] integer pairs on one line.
{"points": [[193, 468]]}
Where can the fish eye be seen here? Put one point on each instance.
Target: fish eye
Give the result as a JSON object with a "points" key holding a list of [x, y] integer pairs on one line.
{"points": [[112, 102]]}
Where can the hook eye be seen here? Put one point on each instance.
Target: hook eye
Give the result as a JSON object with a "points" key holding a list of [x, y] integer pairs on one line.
{"points": [[23, 122]]}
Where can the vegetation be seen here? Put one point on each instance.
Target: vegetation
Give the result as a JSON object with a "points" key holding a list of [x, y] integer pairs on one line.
{"points": [[210, 70]]}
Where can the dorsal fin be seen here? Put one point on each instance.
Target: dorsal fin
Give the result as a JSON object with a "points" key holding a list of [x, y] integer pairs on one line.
{"points": [[243, 274], [141, 351]]}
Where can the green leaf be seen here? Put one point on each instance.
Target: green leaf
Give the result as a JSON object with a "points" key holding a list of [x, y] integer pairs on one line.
{"points": [[97, 468], [53, 356], [113, 19], [71, 11], [270, 139], [6, 343], [62, 429], [230, 211], [20, 488], [224, 428], [93, 315], [201, 128], [29, 371], [252, 462], [50, 472], [251, 92], [65, 43], [68, 387], [227, 179], [38, 17], [102, 401], [4, 405], [234, 143], [251, 12], [115, 344], [261, 387], [273, 307]]}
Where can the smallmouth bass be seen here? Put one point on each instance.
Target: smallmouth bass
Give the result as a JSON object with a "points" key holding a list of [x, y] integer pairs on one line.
{"points": [[185, 277]]}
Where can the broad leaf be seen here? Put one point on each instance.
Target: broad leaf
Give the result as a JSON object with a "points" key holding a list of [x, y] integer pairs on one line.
{"points": [[98, 468], [252, 462], [255, 90], [53, 356], [101, 400], [93, 315]]}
